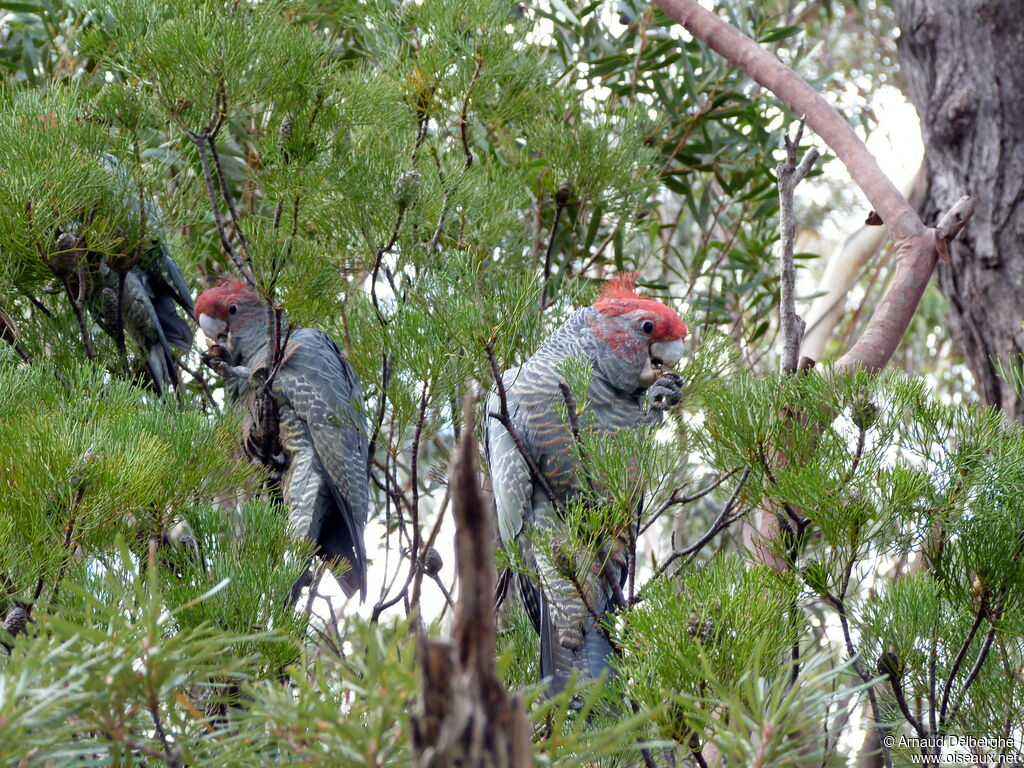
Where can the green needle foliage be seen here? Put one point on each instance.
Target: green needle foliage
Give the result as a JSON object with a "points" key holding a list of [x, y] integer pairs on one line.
{"points": [[720, 622], [438, 185]]}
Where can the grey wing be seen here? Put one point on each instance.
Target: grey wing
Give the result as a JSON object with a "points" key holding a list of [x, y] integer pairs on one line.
{"points": [[510, 474], [513, 490], [142, 321], [165, 274], [163, 278], [167, 286], [321, 388]]}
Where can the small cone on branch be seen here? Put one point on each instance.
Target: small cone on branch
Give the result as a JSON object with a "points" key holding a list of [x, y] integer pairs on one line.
{"points": [[66, 256], [16, 621], [432, 562]]}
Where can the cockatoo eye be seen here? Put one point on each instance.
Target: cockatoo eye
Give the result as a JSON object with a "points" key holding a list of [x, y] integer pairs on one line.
{"points": [[647, 327], [232, 309]]}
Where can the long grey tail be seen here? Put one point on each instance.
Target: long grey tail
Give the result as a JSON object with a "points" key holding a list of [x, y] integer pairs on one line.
{"points": [[557, 663]]}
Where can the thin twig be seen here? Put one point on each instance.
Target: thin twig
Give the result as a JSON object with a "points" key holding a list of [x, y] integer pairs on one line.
{"points": [[975, 671], [379, 262], [436, 238], [789, 175], [385, 377], [201, 380], [676, 499], [840, 605], [444, 589], [413, 554], [154, 712], [573, 578], [122, 277], [200, 140], [561, 200], [421, 417], [39, 305], [83, 326], [644, 751], [228, 197], [426, 548], [959, 659], [722, 522], [9, 333], [901, 702], [463, 113], [858, 454]]}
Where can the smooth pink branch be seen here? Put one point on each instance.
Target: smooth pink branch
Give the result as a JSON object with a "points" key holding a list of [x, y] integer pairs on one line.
{"points": [[805, 102], [916, 247]]}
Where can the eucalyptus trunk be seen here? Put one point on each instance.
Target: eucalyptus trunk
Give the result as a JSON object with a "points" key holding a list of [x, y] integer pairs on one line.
{"points": [[963, 68]]}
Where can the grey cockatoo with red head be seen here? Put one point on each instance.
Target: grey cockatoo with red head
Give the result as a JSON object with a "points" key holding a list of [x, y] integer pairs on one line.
{"points": [[322, 425], [149, 282], [631, 342]]}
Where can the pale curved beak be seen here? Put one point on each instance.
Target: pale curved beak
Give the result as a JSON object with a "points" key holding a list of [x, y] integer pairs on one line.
{"points": [[212, 329], [666, 354], [662, 356]]}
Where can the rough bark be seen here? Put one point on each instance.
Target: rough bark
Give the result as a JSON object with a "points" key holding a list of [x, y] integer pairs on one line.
{"points": [[789, 174], [916, 248], [962, 63]]}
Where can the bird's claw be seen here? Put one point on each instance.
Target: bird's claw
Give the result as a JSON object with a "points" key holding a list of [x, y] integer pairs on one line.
{"points": [[666, 392], [214, 358]]}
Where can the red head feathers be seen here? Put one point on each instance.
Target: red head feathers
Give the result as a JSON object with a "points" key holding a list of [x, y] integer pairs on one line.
{"points": [[214, 302], [619, 298]]}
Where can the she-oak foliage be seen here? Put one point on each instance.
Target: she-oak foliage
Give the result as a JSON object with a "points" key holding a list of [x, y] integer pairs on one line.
{"points": [[421, 180]]}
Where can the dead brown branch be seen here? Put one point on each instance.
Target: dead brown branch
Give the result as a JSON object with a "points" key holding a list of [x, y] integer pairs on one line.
{"points": [[464, 715]]}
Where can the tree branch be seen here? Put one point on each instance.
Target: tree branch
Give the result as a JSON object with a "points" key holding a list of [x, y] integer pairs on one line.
{"points": [[917, 248], [840, 606], [561, 200], [83, 326], [9, 333], [228, 197], [464, 112], [676, 499], [959, 659], [200, 140], [463, 715], [790, 173], [979, 662], [722, 522]]}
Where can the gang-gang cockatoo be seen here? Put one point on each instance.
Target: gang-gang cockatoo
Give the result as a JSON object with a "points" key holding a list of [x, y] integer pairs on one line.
{"points": [[144, 273], [322, 426], [631, 342]]}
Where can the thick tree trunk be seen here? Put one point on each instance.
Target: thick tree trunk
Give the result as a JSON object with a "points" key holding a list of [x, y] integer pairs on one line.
{"points": [[963, 68]]}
